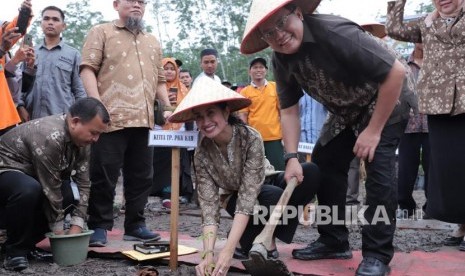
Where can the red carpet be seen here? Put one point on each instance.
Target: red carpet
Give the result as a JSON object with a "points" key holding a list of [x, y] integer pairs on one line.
{"points": [[448, 261]]}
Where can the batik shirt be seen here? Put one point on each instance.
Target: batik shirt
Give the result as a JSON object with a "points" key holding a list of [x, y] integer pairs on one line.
{"points": [[218, 177], [128, 69], [43, 149], [441, 83], [340, 66]]}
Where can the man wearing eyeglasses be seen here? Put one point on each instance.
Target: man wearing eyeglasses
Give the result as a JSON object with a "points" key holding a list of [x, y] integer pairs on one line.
{"points": [[121, 66], [362, 85]]}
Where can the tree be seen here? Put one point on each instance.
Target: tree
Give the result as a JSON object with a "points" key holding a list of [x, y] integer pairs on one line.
{"points": [[186, 27], [79, 18], [424, 8]]}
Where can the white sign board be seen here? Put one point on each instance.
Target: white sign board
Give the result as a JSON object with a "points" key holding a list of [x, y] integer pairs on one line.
{"points": [[173, 138], [305, 147]]}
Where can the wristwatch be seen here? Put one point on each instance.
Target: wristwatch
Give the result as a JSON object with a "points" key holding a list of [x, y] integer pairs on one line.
{"points": [[290, 155]]}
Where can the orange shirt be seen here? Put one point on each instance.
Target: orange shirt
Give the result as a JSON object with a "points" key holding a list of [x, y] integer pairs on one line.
{"points": [[263, 113], [8, 114]]}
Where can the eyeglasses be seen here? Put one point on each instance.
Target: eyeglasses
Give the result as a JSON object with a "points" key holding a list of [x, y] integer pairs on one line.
{"points": [[140, 2], [281, 25]]}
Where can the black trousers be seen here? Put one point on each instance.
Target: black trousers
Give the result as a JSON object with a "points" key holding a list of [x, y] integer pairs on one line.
{"points": [[21, 207], [447, 168], [5, 130], [333, 159], [162, 172], [413, 149], [269, 196], [124, 149]]}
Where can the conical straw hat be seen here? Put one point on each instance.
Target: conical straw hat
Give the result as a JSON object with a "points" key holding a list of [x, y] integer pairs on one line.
{"points": [[206, 91], [375, 28], [260, 11]]}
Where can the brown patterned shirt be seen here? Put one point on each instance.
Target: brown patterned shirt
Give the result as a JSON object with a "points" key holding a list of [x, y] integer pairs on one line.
{"points": [[43, 149], [340, 66], [218, 177], [128, 69], [441, 83]]}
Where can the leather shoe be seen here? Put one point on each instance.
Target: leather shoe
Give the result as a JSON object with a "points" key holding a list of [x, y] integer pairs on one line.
{"points": [[40, 254], [462, 246], [452, 241], [15, 263], [272, 254], [318, 250], [372, 267], [240, 254]]}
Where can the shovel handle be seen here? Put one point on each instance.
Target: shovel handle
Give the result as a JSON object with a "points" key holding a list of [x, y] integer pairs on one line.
{"points": [[266, 236]]}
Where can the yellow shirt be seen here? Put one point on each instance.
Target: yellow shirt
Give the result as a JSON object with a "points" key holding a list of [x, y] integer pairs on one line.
{"points": [[263, 113]]}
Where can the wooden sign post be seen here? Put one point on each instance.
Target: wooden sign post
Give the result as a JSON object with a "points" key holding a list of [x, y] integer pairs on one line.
{"points": [[175, 140], [306, 148]]}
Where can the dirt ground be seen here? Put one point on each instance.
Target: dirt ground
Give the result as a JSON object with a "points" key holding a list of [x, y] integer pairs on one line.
{"points": [[405, 240]]}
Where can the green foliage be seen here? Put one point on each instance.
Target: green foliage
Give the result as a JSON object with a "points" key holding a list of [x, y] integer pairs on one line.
{"points": [[424, 8], [201, 24], [79, 18]]}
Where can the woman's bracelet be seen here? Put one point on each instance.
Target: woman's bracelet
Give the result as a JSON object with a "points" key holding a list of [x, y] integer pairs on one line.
{"points": [[206, 252]]}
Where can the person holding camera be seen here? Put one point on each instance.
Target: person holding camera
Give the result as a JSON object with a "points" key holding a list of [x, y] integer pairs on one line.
{"points": [[9, 33]]}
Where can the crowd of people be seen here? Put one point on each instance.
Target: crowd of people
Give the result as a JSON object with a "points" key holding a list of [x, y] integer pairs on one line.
{"points": [[72, 123]]}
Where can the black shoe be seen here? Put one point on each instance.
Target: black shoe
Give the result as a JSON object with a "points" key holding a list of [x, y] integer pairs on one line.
{"points": [[404, 214], [462, 246], [40, 254], [318, 250], [240, 254], [452, 241], [141, 234], [372, 267], [15, 263]]}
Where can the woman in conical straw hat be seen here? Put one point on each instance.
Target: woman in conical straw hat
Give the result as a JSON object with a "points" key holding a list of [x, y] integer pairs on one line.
{"points": [[230, 170], [361, 83]]}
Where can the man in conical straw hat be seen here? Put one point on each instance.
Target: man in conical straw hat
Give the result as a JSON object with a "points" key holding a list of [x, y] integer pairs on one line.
{"points": [[361, 83], [230, 170]]}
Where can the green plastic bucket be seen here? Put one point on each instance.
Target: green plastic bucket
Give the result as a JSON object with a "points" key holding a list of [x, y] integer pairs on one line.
{"points": [[69, 249]]}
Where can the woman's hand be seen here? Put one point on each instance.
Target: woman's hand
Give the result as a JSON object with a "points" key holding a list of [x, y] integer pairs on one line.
{"points": [[223, 263], [205, 267]]}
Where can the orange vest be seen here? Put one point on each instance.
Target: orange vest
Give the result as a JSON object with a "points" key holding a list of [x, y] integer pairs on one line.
{"points": [[8, 114]]}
